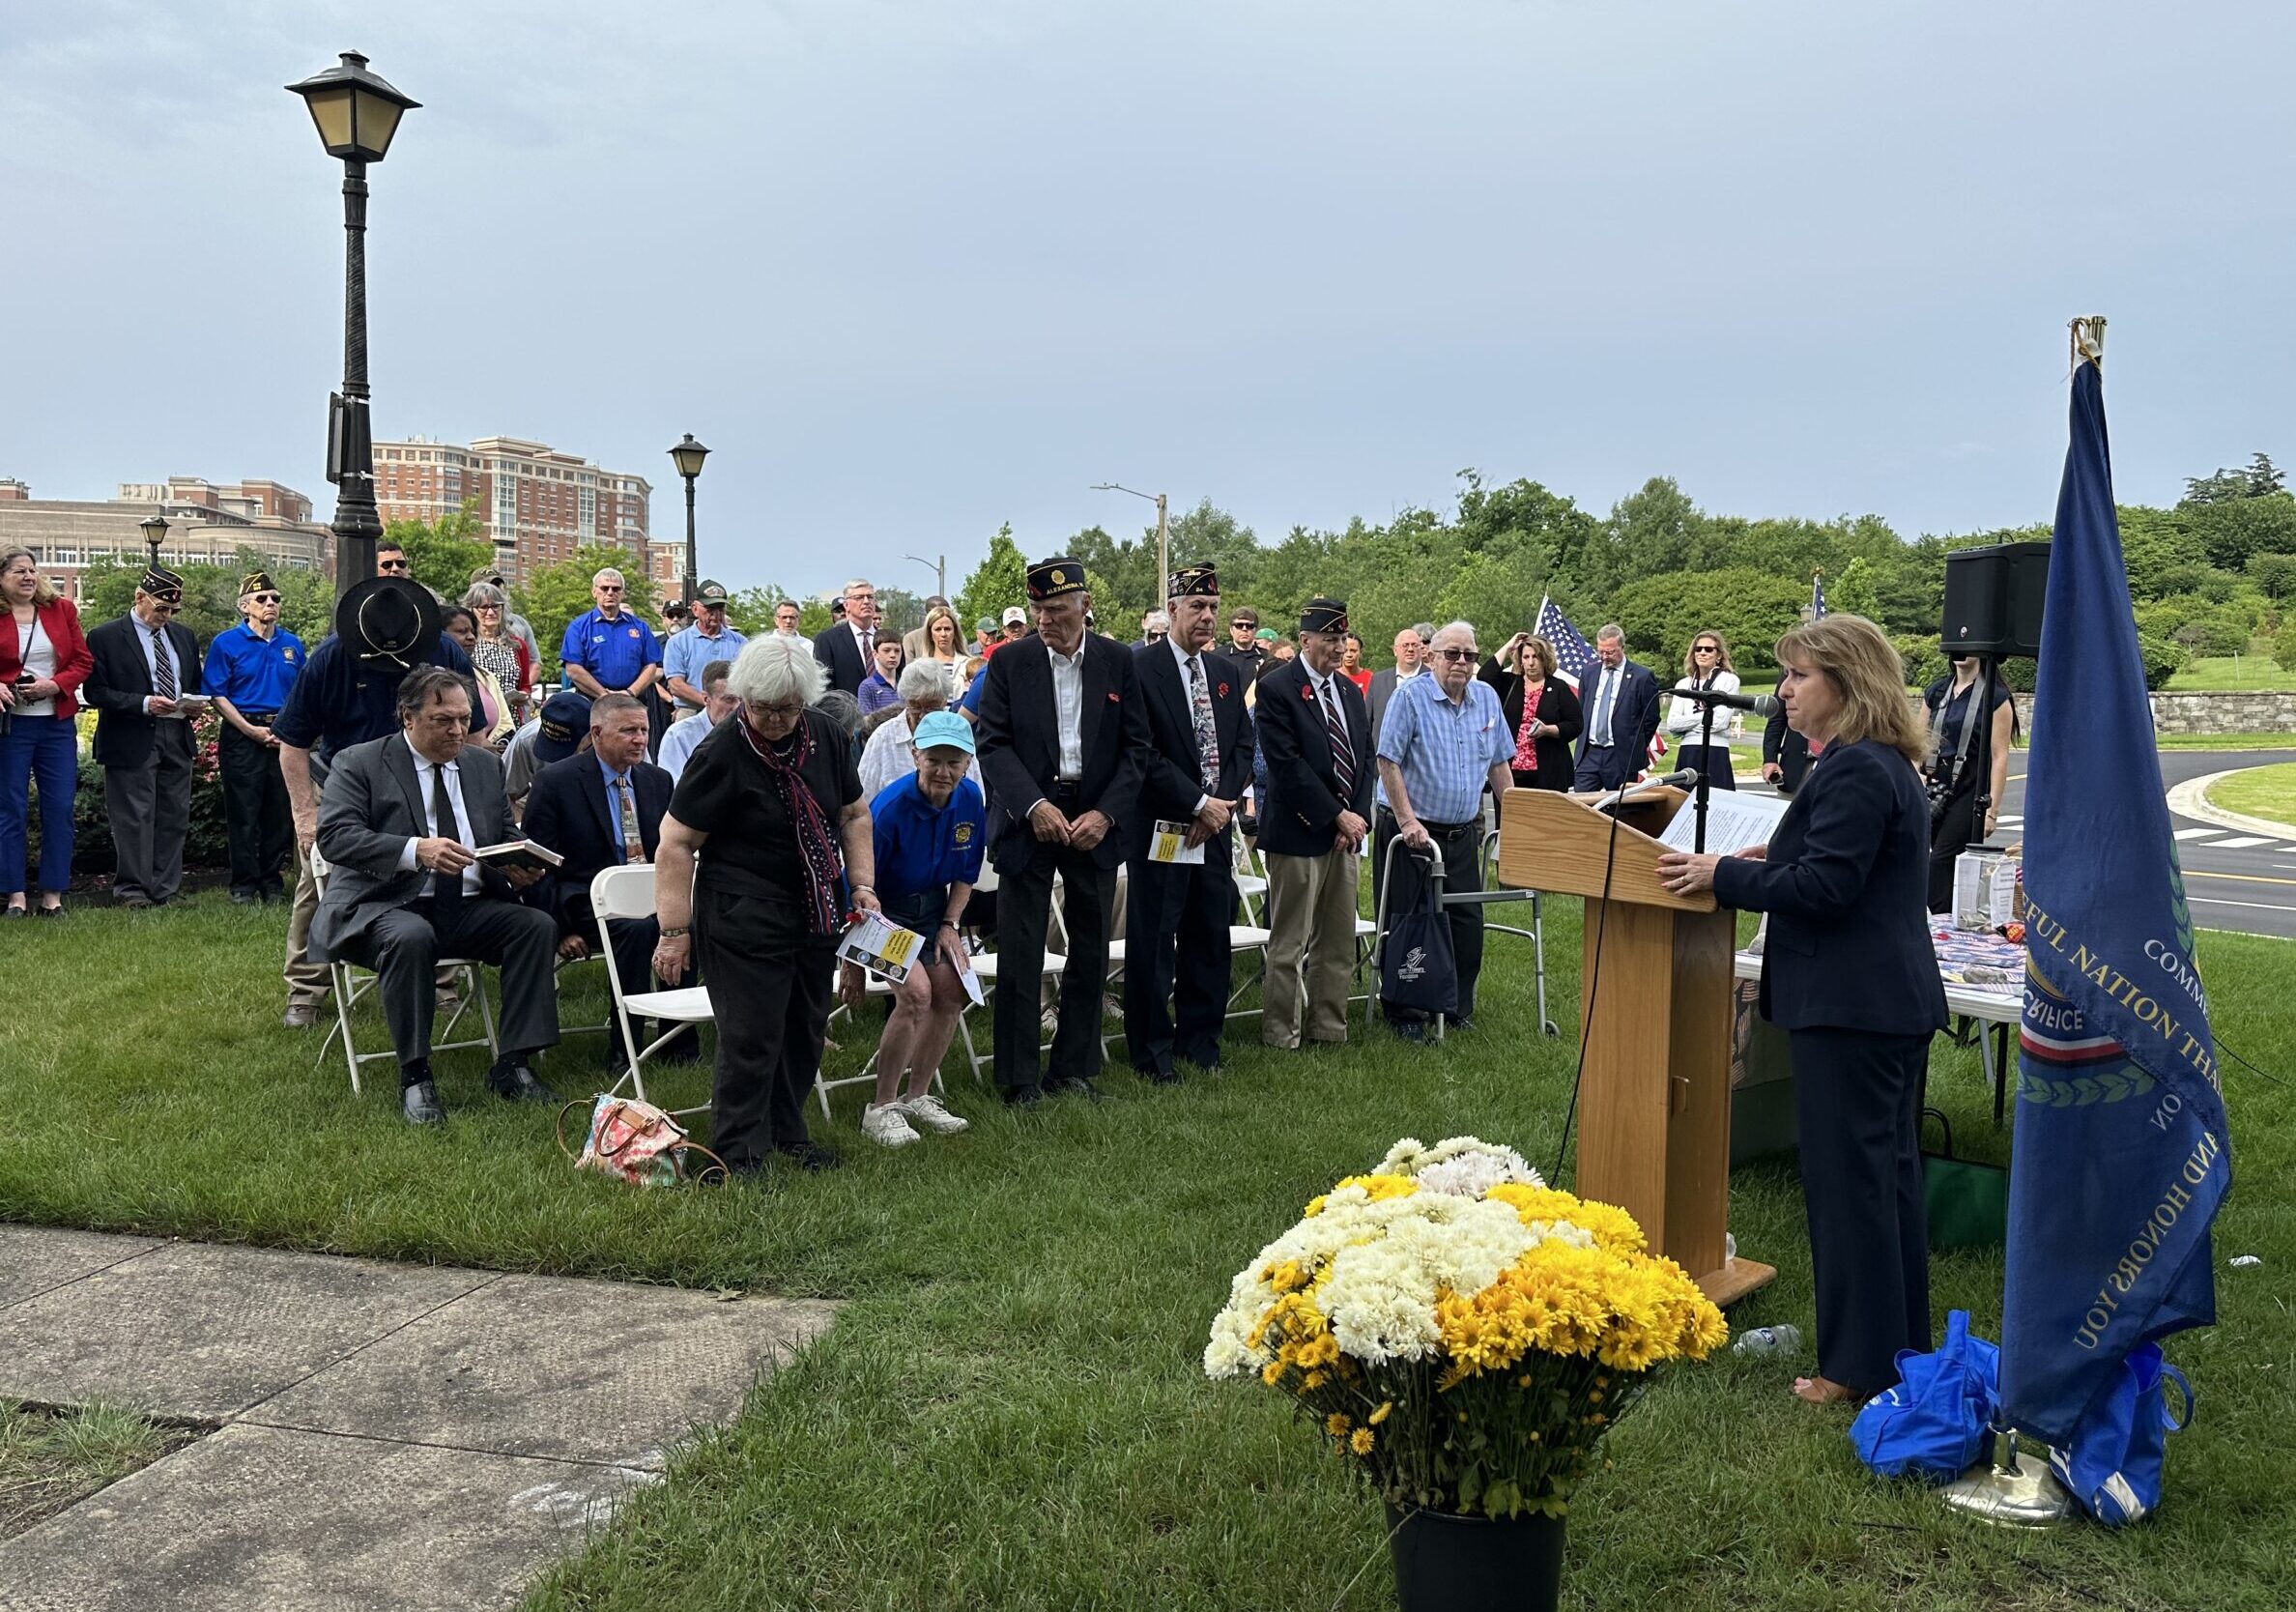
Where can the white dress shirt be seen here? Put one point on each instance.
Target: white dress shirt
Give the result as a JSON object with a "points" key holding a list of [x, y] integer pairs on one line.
{"points": [[1606, 697], [1068, 703], [461, 830], [1187, 698]]}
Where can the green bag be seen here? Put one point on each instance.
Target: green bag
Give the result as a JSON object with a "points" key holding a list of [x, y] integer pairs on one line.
{"points": [[1968, 1203]]}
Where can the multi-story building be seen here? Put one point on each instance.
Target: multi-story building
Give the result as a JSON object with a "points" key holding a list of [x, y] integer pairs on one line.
{"points": [[207, 525], [537, 505]]}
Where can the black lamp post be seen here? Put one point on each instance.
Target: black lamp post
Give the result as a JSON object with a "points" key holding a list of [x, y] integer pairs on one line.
{"points": [[155, 531], [687, 457], [356, 113]]}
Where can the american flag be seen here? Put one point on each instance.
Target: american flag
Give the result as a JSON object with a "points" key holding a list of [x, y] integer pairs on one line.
{"points": [[1817, 595], [1574, 656]]}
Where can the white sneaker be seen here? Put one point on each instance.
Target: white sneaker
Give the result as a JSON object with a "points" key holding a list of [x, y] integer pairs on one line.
{"points": [[927, 1110], [886, 1126]]}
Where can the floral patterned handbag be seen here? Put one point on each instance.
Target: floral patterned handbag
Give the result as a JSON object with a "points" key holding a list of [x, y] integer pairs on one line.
{"points": [[639, 1143]]}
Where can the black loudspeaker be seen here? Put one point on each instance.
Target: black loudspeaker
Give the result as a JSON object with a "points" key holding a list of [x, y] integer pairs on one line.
{"points": [[1992, 599]]}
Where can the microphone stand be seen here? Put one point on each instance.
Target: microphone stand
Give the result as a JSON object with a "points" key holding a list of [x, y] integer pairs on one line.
{"points": [[1705, 741]]}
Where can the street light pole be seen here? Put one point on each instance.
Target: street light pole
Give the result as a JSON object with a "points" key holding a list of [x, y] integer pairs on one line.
{"points": [[687, 457], [154, 532], [356, 113], [1163, 557], [940, 572]]}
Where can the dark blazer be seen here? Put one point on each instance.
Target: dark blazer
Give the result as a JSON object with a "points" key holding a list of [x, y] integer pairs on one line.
{"points": [[836, 650], [1020, 745], [566, 811], [1846, 884], [1171, 775], [1302, 808], [370, 806], [59, 623], [1789, 749], [119, 681], [1377, 696], [1634, 719], [1556, 704]]}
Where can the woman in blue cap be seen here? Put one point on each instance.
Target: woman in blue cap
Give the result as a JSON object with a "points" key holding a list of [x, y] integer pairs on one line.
{"points": [[931, 829]]}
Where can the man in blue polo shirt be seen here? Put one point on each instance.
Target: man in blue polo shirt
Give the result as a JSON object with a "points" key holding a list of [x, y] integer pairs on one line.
{"points": [[607, 649], [249, 670], [691, 650]]}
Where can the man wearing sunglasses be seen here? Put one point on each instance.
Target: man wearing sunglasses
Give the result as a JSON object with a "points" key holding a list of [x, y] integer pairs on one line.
{"points": [[607, 649], [144, 684], [248, 671]]}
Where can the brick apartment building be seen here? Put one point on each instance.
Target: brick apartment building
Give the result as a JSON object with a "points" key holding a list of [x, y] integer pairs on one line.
{"points": [[538, 506], [206, 525]]}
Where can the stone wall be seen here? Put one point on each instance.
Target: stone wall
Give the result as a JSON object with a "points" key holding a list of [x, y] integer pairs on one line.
{"points": [[2205, 714]]}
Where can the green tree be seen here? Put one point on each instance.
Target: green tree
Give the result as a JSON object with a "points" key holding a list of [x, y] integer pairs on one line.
{"points": [[998, 582], [1750, 609], [1854, 591], [2260, 477], [2275, 574], [441, 554], [556, 595]]}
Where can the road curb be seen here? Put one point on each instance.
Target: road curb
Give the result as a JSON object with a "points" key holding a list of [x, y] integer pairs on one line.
{"points": [[2190, 799]]}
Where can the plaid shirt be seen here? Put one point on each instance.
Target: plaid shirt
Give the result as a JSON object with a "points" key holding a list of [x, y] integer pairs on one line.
{"points": [[1445, 748]]}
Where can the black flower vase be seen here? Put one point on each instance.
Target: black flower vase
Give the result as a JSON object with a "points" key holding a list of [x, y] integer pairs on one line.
{"points": [[1455, 1564]]}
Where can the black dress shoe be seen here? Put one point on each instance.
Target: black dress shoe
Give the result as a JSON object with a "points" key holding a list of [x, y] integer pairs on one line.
{"points": [[517, 1083], [421, 1105], [1410, 1029], [1454, 1024], [810, 1156], [1158, 1077], [243, 898], [1072, 1085], [1023, 1097]]}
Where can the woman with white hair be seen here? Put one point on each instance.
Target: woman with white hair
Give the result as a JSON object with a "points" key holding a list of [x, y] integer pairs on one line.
{"points": [[890, 754], [764, 850]]}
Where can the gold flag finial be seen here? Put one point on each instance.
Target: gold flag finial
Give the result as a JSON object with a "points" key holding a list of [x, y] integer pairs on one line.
{"points": [[2088, 339]]}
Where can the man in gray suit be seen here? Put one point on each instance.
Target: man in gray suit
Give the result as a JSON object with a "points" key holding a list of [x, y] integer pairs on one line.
{"points": [[399, 819]]}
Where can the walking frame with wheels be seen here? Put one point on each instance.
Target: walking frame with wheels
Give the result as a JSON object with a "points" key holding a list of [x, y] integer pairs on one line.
{"points": [[1536, 933]]}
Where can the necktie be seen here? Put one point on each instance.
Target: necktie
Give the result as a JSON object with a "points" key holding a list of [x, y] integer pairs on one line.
{"points": [[1342, 747], [1603, 696], [1199, 705], [164, 669], [633, 843], [448, 895]]}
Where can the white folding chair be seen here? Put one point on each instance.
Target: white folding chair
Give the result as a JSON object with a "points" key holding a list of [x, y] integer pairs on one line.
{"points": [[349, 985], [627, 892]]}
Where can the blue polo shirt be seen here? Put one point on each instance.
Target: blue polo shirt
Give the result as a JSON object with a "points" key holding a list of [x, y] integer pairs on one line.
{"points": [[922, 849], [337, 703], [688, 653], [1444, 750], [969, 702], [251, 671], [612, 651]]}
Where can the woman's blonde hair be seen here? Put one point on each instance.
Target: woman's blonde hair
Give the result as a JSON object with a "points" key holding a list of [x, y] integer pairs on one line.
{"points": [[1540, 650], [44, 591], [1691, 654], [943, 612], [1869, 676]]}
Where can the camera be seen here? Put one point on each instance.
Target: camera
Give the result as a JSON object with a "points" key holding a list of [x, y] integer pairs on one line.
{"points": [[1941, 794]]}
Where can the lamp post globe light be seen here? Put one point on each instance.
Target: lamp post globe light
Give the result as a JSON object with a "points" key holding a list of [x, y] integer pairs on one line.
{"points": [[356, 113], [687, 457], [154, 532]]}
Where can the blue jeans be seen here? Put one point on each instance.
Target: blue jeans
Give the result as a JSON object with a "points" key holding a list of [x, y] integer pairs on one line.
{"points": [[43, 749]]}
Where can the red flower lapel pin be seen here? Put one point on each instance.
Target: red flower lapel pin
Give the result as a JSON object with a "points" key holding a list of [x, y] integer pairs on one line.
{"points": [[1112, 700], [1223, 691], [1307, 692]]}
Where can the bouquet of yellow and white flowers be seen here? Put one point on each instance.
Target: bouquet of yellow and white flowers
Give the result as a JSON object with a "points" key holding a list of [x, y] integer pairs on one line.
{"points": [[1458, 1329]]}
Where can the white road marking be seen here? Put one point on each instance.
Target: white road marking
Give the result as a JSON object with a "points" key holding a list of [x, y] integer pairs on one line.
{"points": [[2259, 906], [2239, 842], [2198, 833]]}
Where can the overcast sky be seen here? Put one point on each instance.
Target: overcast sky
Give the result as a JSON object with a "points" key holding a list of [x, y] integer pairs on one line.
{"points": [[912, 268]]}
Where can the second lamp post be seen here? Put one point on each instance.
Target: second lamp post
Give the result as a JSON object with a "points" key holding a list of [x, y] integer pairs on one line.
{"points": [[687, 457]]}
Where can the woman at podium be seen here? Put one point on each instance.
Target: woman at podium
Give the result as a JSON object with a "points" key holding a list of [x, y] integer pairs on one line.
{"points": [[1850, 974]]}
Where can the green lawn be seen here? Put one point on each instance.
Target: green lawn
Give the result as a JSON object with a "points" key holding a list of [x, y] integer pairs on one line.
{"points": [[2225, 741], [2214, 674], [2259, 791], [1009, 1411]]}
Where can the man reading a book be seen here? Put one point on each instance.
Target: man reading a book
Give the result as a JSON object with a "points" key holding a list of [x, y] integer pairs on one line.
{"points": [[400, 823]]}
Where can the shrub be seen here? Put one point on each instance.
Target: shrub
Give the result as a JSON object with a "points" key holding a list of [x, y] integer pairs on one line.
{"points": [[2163, 660], [205, 842]]}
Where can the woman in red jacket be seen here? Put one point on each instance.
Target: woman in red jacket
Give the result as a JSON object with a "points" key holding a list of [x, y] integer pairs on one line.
{"points": [[42, 660]]}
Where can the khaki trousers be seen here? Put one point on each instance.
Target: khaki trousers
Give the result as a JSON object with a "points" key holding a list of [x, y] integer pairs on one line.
{"points": [[1312, 947], [307, 982]]}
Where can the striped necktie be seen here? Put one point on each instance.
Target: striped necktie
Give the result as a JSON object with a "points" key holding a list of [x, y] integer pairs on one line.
{"points": [[163, 678], [1342, 747]]}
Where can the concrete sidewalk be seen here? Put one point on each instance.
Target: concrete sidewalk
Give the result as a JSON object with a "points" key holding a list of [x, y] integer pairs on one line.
{"points": [[390, 1437]]}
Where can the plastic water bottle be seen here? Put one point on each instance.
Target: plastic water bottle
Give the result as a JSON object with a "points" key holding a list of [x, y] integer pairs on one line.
{"points": [[1767, 1340]]}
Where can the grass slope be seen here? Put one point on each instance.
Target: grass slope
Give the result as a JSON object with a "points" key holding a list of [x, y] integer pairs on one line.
{"points": [[1009, 1411], [2259, 791]]}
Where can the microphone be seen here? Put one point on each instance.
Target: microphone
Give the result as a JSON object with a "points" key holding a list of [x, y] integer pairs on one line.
{"points": [[1761, 704], [1681, 780]]}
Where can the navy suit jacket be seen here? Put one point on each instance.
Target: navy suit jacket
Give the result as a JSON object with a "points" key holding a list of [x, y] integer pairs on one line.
{"points": [[1020, 745], [119, 681], [1301, 811], [1173, 774], [839, 651], [566, 811], [1789, 749], [1846, 884], [1634, 719]]}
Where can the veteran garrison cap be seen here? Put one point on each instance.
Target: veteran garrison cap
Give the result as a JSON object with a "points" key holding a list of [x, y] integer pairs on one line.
{"points": [[257, 582], [1323, 615], [1191, 581], [1050, 579], [160, 582]]}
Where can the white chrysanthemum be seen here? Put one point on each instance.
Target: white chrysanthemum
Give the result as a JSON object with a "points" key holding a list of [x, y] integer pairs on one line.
{"points": [[1462, 1166]]}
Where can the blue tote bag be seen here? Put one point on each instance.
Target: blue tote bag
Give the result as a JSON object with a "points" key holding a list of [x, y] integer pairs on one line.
{"points": [[1933, 1420], [2112, 1466]]}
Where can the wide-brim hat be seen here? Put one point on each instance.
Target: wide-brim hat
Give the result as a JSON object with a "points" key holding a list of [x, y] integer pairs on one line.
{"points": [[391, 622]]}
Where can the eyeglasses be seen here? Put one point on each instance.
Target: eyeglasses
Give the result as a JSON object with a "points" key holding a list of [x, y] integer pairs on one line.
{"points": [[610, 587], [782, 713], [265, 598], [1453, 655], [394, 565], [1705, 649]]}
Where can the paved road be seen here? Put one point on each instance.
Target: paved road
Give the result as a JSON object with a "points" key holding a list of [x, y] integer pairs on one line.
{"points": [[2233, 879]]}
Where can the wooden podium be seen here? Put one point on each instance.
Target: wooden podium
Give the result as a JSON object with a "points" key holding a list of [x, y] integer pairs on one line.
{"points": [[1654, 1101]]}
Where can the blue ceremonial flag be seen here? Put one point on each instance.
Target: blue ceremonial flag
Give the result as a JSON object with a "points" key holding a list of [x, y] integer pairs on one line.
{"points": [[2120, 1147], [1573, 655], [1817, 595]]}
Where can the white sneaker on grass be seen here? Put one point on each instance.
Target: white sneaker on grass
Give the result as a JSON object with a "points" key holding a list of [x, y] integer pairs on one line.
{"points": [[927, 1110], [886, 1126]]}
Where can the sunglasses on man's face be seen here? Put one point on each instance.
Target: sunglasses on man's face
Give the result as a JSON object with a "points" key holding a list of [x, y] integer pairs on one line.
{"points": [[394, 565], [1453, 655], [266, 598]]}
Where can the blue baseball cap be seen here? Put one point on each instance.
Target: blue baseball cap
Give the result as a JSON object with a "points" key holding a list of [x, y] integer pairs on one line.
{"points": [[943, 730], [565, 719]]}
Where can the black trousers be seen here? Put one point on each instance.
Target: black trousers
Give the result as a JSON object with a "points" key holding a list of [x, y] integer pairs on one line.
{"points": [[1712, 759], [1176, 959], [633, 940], [1023, 913], [403, 947], [1460, 845], [768, 982], [1948, 839], [258, 825], [1857, 1105]]}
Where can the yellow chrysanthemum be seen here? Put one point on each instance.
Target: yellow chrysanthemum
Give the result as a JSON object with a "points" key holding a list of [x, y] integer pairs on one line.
{"points": [[1381, 1414], [1360, 1442], [1337, 1422]]}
